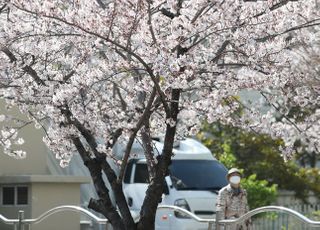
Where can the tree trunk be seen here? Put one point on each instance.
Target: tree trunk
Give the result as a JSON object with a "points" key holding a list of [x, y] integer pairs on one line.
{"points": [[155, 189], [104, 204]]}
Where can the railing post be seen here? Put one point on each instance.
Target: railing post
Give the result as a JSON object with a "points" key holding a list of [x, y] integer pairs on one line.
{"points": [[217, 227], [20, 218]]}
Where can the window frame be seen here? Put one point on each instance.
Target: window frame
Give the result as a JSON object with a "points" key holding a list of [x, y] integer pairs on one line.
{"points": [[14, 195], [17, 195], [15, 190]]}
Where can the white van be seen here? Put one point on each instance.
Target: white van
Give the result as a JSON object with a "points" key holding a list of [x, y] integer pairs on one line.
{"points": [[195, 177]]}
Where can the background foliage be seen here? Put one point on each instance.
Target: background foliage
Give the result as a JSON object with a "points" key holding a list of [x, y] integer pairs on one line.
{"points": [[263, 168]]}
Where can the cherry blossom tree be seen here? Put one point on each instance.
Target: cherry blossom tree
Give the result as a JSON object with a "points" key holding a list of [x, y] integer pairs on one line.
{"points": [[92, 73], [301, 103]]}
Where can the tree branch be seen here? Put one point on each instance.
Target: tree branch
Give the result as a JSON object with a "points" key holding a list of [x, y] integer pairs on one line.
{"points": [[148, 149], [101, 4], [68, 76], [9, 54], [3, 7], [150, 23], [167, 13], [304, 25], [220, 50], [155, 189], [145, 116], [200, 11], [274, 106], [122, 101], [27, 68], [273, 7], [107, 39]]}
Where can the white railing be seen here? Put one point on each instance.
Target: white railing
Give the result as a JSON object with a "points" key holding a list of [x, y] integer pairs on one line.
{"points": [[211, 222], [303, 219], [21, 222]]}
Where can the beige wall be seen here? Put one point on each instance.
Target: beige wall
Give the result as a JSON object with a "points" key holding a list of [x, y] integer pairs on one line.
{"points": [[36, 160], [44, 196], [49, 195]]}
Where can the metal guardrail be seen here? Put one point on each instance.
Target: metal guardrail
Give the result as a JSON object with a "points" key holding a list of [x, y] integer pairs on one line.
{"points": [[20, 223], [297, 215], [66, 208], [211, 222]]}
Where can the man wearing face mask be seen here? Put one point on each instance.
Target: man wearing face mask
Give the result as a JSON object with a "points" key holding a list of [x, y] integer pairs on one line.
{"points": [[232, 202]]}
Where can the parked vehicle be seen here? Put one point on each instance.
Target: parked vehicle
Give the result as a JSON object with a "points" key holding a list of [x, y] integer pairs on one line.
{"points": [[195, 177]]}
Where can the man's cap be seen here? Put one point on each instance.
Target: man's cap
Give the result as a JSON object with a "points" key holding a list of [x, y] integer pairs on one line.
{"points": [[234, 170]]}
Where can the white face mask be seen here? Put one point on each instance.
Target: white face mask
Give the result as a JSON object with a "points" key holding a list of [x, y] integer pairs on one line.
{"points": [[234, 179]]}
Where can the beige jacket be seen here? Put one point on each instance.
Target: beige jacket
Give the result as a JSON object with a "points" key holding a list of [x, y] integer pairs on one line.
{"points": [[232, 206]]}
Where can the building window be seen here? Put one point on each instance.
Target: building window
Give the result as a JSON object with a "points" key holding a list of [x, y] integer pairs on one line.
{"points": [[8, 195], [15, 195], [22, 195]]}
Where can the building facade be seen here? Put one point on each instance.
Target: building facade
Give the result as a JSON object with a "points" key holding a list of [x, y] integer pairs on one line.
{"points": [[28, 184]]}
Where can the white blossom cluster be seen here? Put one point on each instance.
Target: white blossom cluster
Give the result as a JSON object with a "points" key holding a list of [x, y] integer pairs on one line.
{"points": [[9, 139], [103, 63]]}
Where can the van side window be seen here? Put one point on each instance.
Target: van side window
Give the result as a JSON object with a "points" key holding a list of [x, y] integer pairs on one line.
{"points": [[127, 174], [141, 174]]}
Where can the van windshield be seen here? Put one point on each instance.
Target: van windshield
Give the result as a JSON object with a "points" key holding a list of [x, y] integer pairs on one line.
{"points": [[198, 175]]}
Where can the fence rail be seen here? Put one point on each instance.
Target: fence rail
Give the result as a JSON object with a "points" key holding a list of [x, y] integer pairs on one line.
{"points": [[20, 222]]}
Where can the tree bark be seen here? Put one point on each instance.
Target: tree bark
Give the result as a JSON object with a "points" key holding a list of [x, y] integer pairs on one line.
{"points": [[148, 149], [104, 204], [155, 189]]}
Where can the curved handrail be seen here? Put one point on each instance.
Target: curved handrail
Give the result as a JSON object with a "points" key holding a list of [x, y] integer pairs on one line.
{"points": [[99, 220], [304, 219], [249, 214], [65, 208], [8, 221]]}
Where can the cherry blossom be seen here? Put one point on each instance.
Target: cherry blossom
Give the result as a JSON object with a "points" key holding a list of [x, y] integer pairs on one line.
{"points": [[90, 73]]}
